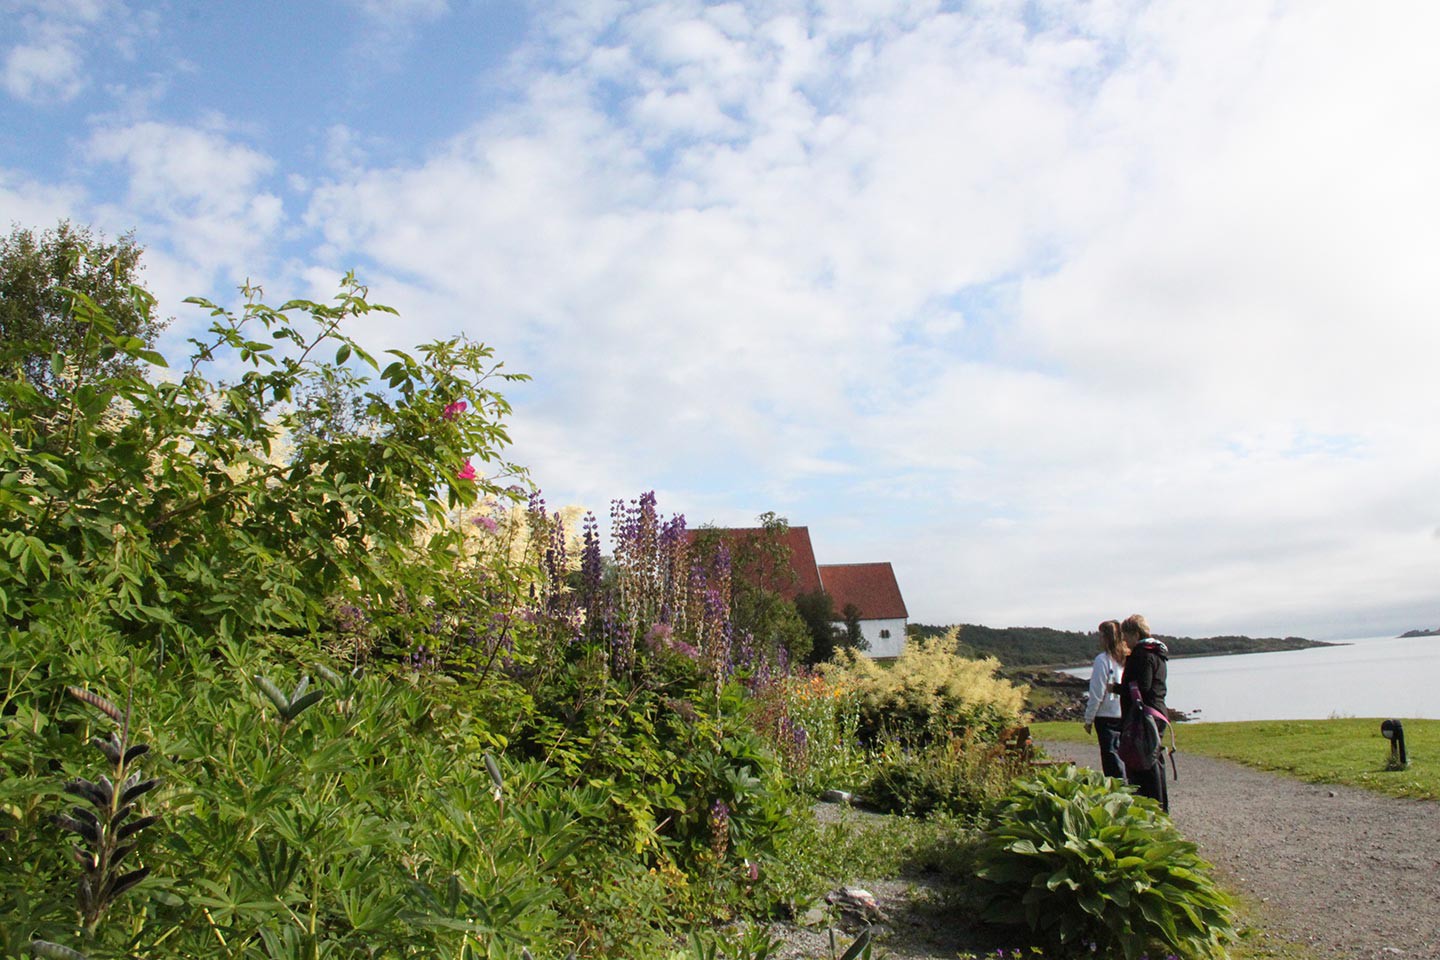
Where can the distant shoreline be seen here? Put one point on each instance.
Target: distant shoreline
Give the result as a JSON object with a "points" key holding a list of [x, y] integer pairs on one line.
{"points": [[1302, 644], [1411, 634], [1045, 648]]}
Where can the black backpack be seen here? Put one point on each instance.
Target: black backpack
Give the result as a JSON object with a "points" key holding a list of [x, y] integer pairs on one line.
{"points": [[1140, 744]]}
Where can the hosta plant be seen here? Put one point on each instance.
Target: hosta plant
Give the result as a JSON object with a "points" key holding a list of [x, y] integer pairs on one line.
{"points": [[1091, 867]]}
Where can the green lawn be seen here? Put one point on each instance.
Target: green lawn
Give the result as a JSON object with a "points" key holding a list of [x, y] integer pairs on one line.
{"points": [[1348, 751]]}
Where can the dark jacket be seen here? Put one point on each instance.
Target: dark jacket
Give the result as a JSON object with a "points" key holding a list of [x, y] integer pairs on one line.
{"points": [[1145, 667]]}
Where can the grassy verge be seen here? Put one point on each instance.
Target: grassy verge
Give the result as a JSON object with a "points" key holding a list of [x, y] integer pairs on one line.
{"points": [[1347, 751]]}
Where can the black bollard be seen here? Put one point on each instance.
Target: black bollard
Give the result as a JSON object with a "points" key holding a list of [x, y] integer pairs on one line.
{"points": [[1394, 731]]}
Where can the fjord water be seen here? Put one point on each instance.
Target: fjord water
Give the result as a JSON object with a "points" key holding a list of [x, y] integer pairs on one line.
{"points": [[1366, 677]]}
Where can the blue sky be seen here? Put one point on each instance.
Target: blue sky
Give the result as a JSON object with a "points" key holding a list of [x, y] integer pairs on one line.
{"points": [[1067, 310]]}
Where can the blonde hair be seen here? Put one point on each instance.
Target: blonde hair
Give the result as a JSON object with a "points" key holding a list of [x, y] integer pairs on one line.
{"points": [[1135, 626], [1110, 639]]}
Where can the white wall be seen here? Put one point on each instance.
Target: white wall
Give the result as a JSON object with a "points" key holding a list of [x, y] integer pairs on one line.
{"points": [[890, 646]]}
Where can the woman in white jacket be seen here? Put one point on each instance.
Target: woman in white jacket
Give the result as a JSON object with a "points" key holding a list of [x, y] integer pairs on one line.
{"points": [[1102, 709]]}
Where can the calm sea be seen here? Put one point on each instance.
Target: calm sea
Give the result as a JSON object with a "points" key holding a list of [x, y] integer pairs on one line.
{"points": [[1367, 677]]}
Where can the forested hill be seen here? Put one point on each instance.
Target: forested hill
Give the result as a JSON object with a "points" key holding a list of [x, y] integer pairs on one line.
{"points": [[1043, 646]]}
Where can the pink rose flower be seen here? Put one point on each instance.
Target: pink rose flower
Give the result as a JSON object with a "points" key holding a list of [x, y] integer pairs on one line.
{"points": [[467, 472], [453, 410]]}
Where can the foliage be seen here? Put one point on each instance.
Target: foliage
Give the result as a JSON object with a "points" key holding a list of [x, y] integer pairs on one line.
{"points": [[637, 689], [762, 581], [217, 542], [180, 497], [854, 637], [928, 693], [815, 722], [817, 610], [368, 822], [959, 776], [108, 833], [1037, 646], [1349, 751], [40, 277], [1086, 864]]}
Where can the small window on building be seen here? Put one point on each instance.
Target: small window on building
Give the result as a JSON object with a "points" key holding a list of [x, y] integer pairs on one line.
{"points": [[884, 634]]}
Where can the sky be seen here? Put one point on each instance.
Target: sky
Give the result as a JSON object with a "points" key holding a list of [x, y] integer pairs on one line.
{"points": [[1066, 310]]}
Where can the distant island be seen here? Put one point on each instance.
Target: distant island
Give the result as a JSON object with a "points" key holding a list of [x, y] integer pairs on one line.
{"points": [[1420, 633], [1047, 647]]}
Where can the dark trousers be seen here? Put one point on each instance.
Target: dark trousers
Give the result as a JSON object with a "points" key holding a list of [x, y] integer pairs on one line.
{"points": [[1107, 731], [1151, 783]]}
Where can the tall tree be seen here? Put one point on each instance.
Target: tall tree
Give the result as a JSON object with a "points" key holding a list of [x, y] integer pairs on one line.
{"points": [[761, 581], [817, 609], [40, 276], [854, 634]]}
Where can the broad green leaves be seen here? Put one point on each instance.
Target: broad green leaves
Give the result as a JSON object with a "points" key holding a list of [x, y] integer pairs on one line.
{"points": [[1080, 860], [183, 500]]}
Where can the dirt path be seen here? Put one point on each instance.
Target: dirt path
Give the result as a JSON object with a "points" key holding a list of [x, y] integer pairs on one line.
{"points": [[1353, 874]]}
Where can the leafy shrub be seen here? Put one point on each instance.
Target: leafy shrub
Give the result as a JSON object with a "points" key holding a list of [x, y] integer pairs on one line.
{"points": [[1085, 864], [959, 776], [814, 722], [539, 752], [362, 822], [928, 693], [207, 506]]}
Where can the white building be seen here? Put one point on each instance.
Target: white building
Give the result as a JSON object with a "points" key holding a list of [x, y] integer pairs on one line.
{"points": [[873, 590]]}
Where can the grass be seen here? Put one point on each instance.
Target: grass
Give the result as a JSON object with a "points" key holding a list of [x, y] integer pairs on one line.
{"points": [[1346, 751]]}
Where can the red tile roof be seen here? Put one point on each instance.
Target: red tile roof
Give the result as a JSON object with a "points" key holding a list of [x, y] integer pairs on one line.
{"points": [[870, 586], [802, 556]]}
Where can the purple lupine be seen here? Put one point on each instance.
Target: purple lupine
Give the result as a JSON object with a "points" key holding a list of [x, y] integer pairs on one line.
{"points": [[591, 568], [719, 822], [351, 618]]}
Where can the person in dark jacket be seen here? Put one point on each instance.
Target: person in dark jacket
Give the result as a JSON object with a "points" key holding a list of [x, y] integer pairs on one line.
{"points": [[1145, 667]]}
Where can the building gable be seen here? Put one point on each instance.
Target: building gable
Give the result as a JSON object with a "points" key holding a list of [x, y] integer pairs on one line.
{"points": [[871, 587]]}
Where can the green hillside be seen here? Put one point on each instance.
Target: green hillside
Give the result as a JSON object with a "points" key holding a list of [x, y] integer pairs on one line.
{"points": [[1045, 646]]}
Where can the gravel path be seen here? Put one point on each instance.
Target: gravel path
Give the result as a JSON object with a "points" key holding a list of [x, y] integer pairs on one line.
{"points": [[1342, 872], [1350, 873]]}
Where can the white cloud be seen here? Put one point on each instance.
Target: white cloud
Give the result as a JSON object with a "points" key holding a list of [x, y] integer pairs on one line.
{"points": [[47, 63], [30, 205], [401, 11], [1067, 310], [197, 200], [44, 71]]}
